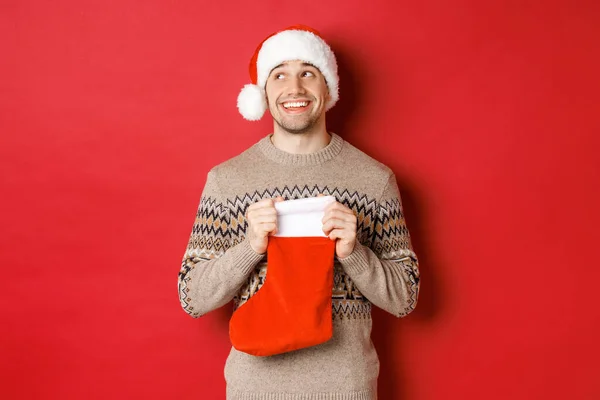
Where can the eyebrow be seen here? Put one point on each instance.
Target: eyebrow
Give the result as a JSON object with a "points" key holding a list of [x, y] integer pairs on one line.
{"points": [[304, 64]]}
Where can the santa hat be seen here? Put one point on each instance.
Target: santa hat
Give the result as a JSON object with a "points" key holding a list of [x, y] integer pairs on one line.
{"points": [[294, 43]]}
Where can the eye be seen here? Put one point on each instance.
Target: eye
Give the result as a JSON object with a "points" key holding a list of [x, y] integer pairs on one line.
{"points": [[279, 76], [308, 74]]}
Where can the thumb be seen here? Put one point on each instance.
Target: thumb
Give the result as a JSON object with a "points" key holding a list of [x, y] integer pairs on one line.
{"points": [[279, 199], [320, 195]]}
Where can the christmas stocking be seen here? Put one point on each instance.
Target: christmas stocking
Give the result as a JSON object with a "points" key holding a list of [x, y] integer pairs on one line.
{"points": [[292, 309]]}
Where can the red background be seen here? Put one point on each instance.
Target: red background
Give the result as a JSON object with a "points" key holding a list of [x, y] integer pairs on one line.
{"points": [[112, 112]]}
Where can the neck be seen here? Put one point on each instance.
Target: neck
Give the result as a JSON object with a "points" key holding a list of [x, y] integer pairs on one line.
{"points": [[301, 143]]}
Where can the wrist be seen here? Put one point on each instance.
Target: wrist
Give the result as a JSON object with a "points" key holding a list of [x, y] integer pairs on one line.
{"points": [[258, 248]]}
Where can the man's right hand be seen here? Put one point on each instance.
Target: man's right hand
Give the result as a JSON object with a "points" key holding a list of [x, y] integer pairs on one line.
{"points": [[262, 222]]}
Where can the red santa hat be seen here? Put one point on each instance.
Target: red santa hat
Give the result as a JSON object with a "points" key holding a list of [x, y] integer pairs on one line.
{"points": [[294, 43]]}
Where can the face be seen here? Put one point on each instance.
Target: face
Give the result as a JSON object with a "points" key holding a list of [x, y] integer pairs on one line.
{"points": [[297, 94]]}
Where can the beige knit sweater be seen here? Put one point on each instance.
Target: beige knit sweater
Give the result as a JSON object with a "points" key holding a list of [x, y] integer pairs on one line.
{"points": [[219, 265]]}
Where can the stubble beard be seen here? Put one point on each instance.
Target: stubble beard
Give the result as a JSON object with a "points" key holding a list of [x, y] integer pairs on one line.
{"points": [[296, 124], [296, 127]]}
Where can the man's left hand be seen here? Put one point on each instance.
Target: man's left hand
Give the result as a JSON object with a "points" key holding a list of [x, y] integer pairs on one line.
{"points": [[339, 223]]}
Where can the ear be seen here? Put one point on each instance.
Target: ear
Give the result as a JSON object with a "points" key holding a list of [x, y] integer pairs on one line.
{"points": [[328, 98]]}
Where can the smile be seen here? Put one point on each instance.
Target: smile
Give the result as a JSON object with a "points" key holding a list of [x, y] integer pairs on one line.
{"points": [[295, 104]]}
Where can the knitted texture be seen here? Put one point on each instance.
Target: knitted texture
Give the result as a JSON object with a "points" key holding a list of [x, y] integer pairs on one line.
{"points": [[219, 266]]}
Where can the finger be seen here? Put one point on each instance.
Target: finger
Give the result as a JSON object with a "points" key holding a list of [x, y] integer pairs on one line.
{"points": [[279, 199], [261, 204], [343, 235], [346, 218], [263, 219], [333, 235], [338, 224], [267, 227], [262, 211], [267, 203], [273, 231], [339, 214], [264, 228], [339, 207]]}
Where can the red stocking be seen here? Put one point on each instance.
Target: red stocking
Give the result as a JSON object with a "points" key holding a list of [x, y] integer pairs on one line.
{"points": [[292, 309]]}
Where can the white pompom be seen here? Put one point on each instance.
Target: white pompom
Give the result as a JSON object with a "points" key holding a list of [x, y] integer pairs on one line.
{"points": [[252, 102]]}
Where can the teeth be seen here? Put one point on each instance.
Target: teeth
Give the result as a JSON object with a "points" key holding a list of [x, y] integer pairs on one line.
{"points": [[295, 104]]}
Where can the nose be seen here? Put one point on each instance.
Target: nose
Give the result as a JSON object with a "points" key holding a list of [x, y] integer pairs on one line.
{"points": [[296, 86]]}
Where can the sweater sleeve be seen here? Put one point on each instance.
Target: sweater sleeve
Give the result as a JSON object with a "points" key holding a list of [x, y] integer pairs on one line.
{"points": [[214, 266], [387, 272]]}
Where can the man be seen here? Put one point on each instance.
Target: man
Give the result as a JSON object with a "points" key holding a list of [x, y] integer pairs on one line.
{"points": [[294, 74]]}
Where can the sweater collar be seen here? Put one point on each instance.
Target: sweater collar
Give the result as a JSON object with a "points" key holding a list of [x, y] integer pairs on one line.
{"points": [[282, 157]]}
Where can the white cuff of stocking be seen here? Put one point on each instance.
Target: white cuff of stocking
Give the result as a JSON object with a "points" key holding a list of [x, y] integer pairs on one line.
{"points": [[302, 217]]}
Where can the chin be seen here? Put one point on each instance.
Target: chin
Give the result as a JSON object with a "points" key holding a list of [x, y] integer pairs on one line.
{"points": [[297, 130]]}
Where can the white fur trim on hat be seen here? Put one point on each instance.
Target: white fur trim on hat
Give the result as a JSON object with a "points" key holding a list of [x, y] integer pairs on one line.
{"points": [[252, 102], [299, 45]]}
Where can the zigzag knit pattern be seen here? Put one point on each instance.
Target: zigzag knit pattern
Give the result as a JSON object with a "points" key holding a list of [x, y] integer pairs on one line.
{"points": [[381, 227]]}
